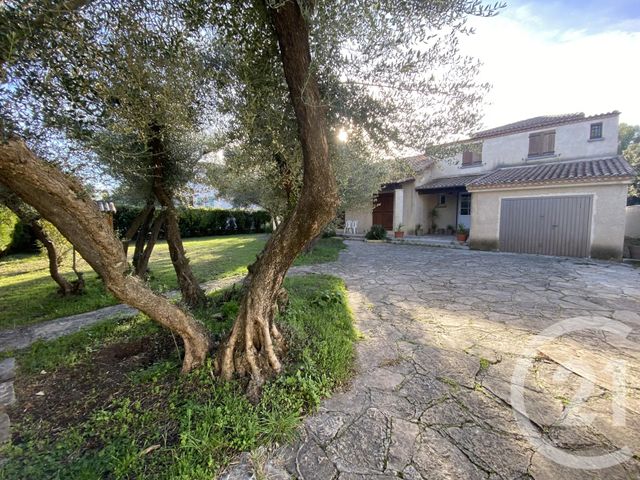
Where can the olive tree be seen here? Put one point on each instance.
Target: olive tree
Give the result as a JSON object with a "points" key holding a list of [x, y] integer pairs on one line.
{"points": [[389, 71], [130, 82], [57, 195]]}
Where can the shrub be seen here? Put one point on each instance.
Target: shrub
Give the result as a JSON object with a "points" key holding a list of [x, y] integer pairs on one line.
{"points": [[15, 236], [376, 232], [203, 222]]}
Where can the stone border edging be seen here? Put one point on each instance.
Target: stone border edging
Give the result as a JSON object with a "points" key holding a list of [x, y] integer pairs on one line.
{"points": [[7, 396]]}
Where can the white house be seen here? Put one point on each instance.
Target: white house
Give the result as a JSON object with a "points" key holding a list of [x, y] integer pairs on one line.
{"points": [[549, 185]]}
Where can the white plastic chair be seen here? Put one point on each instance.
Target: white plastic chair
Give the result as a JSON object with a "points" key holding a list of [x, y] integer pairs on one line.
{"points": [[351, 226]]}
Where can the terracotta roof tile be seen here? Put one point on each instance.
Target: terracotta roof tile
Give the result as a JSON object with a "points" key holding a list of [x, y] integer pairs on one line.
{"points": [[449, 182], [558, 172]]}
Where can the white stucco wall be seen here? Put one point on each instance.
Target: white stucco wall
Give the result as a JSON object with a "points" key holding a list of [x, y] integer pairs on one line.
{"points": [[632, 221], [607, 226], [572, 142], [364, 217], [447, 214]]}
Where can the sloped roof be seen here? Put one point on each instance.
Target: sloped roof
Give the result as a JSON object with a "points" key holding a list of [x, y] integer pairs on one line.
{"points": [[603, 169], [449, 182], [418, 162], [539, 122]]}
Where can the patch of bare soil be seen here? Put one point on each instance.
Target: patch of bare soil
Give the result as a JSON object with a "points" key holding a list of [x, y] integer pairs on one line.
{"points": [[54, 401]]}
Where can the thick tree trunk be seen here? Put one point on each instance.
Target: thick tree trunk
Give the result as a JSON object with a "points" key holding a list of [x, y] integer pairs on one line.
{"points": [[252, 346], [143, 260], [141, 240], [134, 228], [61, 200], [192, 294]]}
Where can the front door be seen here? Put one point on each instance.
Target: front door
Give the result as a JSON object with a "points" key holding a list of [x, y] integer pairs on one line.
{"points": [[464, 210], [383, 211]]}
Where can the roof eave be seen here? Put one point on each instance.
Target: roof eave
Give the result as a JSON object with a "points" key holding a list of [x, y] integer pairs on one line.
{"points": [[626, 179]]}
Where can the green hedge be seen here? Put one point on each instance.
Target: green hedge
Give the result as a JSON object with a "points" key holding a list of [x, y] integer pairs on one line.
{"points": [[15, 236], [203, 222]]}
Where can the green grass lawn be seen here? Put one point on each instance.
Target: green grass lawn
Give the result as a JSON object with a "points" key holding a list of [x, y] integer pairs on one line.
{"points": [[28, 295], [144, 420]]}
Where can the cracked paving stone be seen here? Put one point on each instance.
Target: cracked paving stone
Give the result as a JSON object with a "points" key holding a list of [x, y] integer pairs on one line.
{"points": [[428, 317], [502, 454], [362, 447], [380, 378], [445, 414], [392, 404], [358, 476], [403, 439], [325, 426], [437, 458], [543, 468], [313, 464]]}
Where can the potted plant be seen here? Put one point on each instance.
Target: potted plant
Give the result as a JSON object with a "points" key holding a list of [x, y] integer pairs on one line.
{"points": [[418, 229], [399, 233], [462, 233]]}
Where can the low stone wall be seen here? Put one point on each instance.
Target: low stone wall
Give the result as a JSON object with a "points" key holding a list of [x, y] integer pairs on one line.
{"points": [[7, 396], [632, 221]]}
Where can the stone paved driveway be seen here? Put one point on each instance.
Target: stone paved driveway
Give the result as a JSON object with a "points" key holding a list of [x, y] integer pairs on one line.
{"points": [[443, 332]]}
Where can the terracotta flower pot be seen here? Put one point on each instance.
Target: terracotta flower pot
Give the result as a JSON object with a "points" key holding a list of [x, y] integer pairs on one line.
{"points": [[634, 250], [398, 234], [462, 237]]}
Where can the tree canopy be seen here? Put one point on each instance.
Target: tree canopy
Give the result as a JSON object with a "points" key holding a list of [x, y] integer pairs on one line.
{"points": [[138, 85]]}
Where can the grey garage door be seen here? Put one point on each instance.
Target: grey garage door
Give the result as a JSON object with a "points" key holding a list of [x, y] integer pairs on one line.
{"points": [[546, 225]]}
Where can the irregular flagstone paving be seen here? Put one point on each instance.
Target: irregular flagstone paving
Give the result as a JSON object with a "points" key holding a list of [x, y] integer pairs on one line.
{"points": [[443, 333]]}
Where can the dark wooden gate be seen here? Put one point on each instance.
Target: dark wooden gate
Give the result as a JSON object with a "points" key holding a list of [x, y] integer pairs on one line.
{"points": [[383, 212]]}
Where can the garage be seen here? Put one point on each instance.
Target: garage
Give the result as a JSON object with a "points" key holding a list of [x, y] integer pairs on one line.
{"points": [[552, 225]]}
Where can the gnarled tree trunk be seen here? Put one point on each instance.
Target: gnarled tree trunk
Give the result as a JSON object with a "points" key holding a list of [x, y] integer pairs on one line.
{"points": [[66, 287], [30, 217], [135, 226], [252, 346], [142, 264], [62, 201], [192, 294]]}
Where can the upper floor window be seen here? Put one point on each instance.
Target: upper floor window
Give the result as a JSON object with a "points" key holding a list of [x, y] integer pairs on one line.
{"points": [[471, 157], [542, 143], [596, 131]]}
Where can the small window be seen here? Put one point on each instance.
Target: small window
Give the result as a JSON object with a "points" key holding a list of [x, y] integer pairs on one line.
{"points": [[596, 131], [442, 200], [472, 157], [542, 143], [465, 204]]}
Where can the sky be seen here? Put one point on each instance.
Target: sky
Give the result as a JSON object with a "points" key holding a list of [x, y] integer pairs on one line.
{"points": [[559, 57]]}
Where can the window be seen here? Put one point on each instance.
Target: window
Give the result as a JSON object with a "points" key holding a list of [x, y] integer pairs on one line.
{"points": [[472, 157], [542, 143], [596, 131], [465, 204], [442, 200]]}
